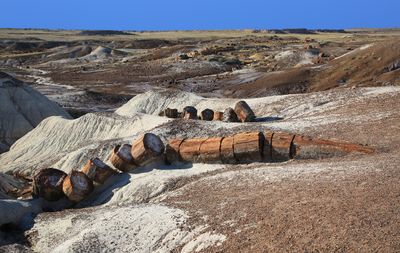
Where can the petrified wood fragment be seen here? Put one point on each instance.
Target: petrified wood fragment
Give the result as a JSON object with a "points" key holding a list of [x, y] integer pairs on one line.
{"points": [[147, 148], [244, 112], [121, 158], [48, 184], [97, 170], [248, 147], [77, 186]]}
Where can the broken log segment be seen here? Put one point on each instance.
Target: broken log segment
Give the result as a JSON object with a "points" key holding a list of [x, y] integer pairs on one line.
{"points": [[308, 148], [210, 150], [77, 186], [218, 116], [190, 112], [189, 149], [97, 170], [121, 158], [147, 148], [171, 113], [248, 147], [244, 112], [226, 150], [172, 150], [268, 146], [48, 184], [207, 115], [230, 115], [281, 146]]}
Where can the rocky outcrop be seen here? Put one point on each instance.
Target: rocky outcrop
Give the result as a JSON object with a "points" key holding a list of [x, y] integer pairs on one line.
{"points": [[21, 109]]}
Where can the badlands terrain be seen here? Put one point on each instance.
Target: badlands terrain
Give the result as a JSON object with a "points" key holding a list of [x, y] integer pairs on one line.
{"points": [[69, 96]]}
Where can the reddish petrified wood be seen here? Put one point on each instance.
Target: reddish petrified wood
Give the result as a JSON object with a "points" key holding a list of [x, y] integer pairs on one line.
{"points": [[190, 149], [48, 183], [77, 186], [268, 146], [121, 158], [244, 112], [308, 148], [281, 146], [172, 150], [210, 150], [249, 147], [97, 170], [218, 116], [147, 148], [227, 152]]}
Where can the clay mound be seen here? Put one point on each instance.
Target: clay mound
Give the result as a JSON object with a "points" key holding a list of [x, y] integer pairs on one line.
{"points": [[21, 109], [370, 65], [69, 52], [103, 32], [103, 52]]}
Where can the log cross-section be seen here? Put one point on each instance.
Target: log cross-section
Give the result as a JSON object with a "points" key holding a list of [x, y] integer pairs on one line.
{"points": [[97, 170], [147, 148], [172, 150], [121, 158], [77, 186], [48, 183]]}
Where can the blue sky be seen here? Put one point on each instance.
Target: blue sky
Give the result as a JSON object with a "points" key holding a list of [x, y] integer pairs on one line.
{"points": [[204, 14]]}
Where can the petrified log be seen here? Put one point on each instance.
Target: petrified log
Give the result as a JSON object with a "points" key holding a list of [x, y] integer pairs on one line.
{"points": [[244, 112], [308, 148], [230, 115], [171, 113], [172, 150], [48, 184], [226, 150], [121, 158], [97, 170], [281, 146], [77, 186], [248, 147], [189, 149], [268, 146], [189, 112], [218, 116], [207, 115], [210, 150], [147, 148]]}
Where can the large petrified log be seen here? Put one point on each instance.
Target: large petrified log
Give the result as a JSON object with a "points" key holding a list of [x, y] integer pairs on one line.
{"points": [[189, 149], [190, 112], [97, 170], [230, 115], [210, 150], [248, 147], [207, 115], [171, 113], [244, 112], [281, 146], [48, 184], [218, 116], [308, 148], [77, 186], [226, 150], [147, 148], [121, 158]]}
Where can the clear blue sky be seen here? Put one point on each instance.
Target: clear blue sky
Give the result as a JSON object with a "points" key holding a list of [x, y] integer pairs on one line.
{"points": [[198, 14]]}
